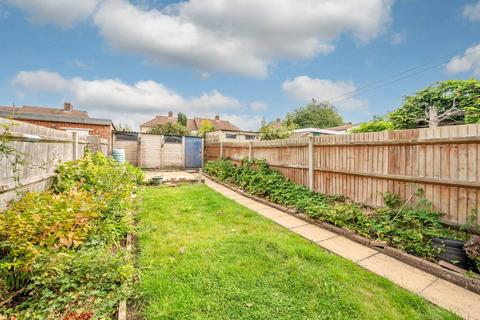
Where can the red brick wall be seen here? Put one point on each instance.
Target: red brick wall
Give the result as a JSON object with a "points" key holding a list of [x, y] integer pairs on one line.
{"points": [[104, 131]]}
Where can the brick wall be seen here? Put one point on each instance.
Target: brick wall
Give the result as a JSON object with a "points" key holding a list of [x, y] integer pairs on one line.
{"points": [[104, 131]]}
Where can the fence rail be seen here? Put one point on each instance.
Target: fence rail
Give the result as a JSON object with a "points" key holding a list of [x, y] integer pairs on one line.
{"points": [[39, 150], [444, 162]]}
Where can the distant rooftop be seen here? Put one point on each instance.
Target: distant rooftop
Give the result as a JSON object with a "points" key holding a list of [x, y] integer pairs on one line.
{"points": [[193, 124], [65, 114]]}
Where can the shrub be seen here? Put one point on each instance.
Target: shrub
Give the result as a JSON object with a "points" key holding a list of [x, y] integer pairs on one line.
{"points": [[60, 250], [410, 229], [374, 126]]}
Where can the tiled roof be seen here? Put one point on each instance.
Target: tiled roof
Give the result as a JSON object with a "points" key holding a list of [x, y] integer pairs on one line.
{"points": [[192, 124], [46, 111], [50, 114]]}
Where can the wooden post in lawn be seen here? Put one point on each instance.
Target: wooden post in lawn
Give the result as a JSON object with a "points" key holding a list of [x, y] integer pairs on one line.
{"points": [[75, 146], [310, 163], [250, 151]]}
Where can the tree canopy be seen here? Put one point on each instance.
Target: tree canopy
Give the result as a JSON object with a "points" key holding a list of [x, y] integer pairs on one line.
{"points": [[170, 129], [452, 101], [315, 115], [205, 126], [182, 119], [275, 130]]}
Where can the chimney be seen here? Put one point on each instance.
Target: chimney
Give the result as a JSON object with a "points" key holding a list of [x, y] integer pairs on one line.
{"points": [[217, 117], [67, 106], [278, 120], [170, 114]]}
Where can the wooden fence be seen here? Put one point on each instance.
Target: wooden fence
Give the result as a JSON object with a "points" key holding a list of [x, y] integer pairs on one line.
{"points": [[39, 150], [444, 162]]}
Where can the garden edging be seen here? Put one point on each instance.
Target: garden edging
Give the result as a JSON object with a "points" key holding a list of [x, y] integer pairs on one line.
{"points": [[472, 284]]}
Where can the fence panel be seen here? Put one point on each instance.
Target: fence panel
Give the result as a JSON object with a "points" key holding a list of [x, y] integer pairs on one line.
{"points": [[444, 162], [39, 150]]}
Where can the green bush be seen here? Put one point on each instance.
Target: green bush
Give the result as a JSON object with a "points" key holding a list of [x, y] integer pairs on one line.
{"points": [[374, 126], [60, 250], [410, 229]]}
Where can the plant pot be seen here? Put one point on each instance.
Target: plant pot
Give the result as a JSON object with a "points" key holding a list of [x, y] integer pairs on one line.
{"points": [[451, 251], [156, 181]]}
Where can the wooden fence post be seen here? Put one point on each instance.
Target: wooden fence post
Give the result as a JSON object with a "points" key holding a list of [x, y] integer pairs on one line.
{"points": [[310, 164], [250, 151], [221, 149], [75, 146]]}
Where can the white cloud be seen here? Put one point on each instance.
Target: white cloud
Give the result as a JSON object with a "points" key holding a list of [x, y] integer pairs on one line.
{"points": [[398, 38], [469, 61], [304, 88], [60, 12], [234, 36], [244, 122], [238, 36], [124, 102], [258, 106], [472, 12]]}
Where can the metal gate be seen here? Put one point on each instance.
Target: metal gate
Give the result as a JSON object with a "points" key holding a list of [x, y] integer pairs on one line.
{"points": [[193, 152]]}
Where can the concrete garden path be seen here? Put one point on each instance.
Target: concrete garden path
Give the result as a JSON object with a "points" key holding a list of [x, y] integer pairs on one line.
{"points": [[438, 291]]}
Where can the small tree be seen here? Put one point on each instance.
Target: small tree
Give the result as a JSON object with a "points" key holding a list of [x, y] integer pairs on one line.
{"points": [[205, 126], [277, 130], [446, 102], [315, 115], [170, 129], [182, 119]]}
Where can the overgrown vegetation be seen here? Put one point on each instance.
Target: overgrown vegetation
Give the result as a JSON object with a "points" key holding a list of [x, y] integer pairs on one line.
{"points": [[443, 103], [60, 253], [408, 228], [472, 248], [377, 124], [170, 129], [277, 130]]}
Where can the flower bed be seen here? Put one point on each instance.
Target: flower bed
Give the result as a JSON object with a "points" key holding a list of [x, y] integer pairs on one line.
{"points": [[60, 251], [410, 229]]}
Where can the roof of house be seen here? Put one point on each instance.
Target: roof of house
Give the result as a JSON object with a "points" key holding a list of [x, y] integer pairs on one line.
{"points": [[67, 114], [343, 127], [192, 124]]}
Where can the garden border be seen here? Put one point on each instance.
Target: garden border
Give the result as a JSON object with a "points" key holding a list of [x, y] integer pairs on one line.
{"points": [[470, 284]]}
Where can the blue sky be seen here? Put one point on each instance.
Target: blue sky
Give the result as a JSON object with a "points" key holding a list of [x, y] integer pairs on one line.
{"points": [[243, 59]]}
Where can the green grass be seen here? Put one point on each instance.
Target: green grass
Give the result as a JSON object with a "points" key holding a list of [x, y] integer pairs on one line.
{"points": [[202, 256]]}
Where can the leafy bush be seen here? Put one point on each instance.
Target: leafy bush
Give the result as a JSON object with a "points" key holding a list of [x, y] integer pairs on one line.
{"points": [[410, 229], [374, 126], [60, 250]]}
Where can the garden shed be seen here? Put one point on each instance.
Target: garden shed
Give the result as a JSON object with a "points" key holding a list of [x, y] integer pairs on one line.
{"points": [[152, 151]]}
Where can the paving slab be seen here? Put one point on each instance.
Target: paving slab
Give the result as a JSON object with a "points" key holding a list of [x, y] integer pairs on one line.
{"points": [[454, 298], [347, 248], [236, 196], [398, 272], [288, 221], [443, 293], [256, 206], [272, 213], [314, 233]]}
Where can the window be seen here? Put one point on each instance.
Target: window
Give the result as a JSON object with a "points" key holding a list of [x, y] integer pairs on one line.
{"points": [[230, 136], [250, 137], [173, 139]]}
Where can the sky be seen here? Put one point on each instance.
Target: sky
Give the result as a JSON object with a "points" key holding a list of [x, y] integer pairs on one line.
{"points": [[246, 60]]}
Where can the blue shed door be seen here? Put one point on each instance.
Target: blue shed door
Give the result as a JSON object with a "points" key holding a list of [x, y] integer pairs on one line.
{"points": [[193, 152]]}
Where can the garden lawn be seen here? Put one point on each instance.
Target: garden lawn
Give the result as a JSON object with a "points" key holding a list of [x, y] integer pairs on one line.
{"points": [[203, 256]]}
